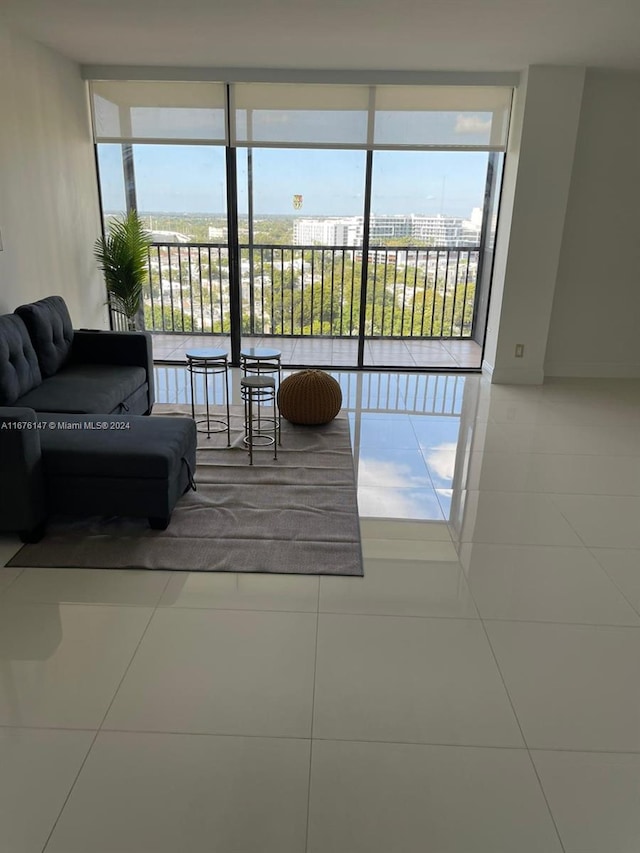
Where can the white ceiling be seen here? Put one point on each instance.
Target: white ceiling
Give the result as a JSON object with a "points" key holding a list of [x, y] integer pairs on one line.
{"points": [[463, 35]]}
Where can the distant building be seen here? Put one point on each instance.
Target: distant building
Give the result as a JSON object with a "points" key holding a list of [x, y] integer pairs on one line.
{"points": [[472, 227], [436, 230], [394, 227], [327, 232], [217, 233], [169, 237]]}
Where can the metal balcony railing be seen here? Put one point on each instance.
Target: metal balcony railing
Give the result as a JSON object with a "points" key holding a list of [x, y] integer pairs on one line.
{"points": [[314, 291]]}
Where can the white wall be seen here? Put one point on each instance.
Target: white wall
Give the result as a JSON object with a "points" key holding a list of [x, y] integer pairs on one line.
{"points": [[501, 254], [595, 323], [534, 202], [49, 213]]}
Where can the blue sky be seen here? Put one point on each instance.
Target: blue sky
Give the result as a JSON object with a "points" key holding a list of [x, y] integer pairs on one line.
{"points": [[191, 179]]}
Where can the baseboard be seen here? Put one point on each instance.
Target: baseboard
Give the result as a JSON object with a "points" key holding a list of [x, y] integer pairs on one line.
{"points": [[592, 370], [513, 375]]}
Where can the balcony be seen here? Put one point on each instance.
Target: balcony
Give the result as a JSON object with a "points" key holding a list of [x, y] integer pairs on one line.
{"points": [[419, 309]]}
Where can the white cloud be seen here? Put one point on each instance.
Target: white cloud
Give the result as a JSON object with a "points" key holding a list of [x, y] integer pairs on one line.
{"points": [[379, 472], [380, 501], [442, 460]]}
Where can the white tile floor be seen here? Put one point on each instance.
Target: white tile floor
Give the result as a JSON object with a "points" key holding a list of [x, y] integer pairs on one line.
{"points": [[478, 691]]}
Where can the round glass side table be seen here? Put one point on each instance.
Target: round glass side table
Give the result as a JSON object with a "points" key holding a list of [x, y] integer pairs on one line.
{"points": [[207, 363], [261, 360]]}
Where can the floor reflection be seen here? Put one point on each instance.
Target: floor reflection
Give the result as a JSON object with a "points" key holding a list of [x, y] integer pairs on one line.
{"points": [[408, 444]]}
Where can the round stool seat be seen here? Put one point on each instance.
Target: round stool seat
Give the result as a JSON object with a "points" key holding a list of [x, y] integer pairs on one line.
{"points": [[257, 381], [260, 353], [206, 354], [310, 397]]}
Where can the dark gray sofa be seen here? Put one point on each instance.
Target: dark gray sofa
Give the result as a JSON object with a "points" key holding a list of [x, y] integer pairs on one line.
{"points": [[49, 370], [47, 366], [114, 465]]}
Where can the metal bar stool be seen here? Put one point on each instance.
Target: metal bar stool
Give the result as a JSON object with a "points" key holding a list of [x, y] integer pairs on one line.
{"points": [[209, 362], [260, 430], [262, 361]]}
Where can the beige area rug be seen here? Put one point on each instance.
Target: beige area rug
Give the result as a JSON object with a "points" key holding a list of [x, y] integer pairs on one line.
{"points": [[296, 515]]}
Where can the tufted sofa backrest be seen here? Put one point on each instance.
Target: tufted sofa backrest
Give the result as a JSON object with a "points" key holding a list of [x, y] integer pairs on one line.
{"points": [[51, 331], [19, 369]]}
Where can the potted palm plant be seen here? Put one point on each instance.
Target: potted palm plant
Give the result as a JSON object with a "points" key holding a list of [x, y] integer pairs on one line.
{"points": [[123, 257]]}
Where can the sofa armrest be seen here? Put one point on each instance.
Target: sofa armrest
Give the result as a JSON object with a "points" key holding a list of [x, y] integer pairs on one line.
{"points": [[91, 346], [22, 490]]}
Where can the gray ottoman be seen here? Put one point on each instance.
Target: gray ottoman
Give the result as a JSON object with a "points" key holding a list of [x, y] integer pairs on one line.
{"points": [[118, 465]]}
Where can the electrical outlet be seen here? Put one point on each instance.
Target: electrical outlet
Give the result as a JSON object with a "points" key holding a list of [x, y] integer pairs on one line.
{"points": [[519, 350]]}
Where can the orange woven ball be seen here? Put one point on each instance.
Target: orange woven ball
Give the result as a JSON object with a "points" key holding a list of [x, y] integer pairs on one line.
{"points": [[309, 397]]}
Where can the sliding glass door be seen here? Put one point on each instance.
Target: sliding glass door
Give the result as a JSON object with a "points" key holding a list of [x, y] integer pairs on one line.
{"points": [[425, 229], [300, 235]]}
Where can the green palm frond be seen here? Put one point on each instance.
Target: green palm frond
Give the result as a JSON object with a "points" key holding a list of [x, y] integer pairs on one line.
{"points": [[123, 256]]}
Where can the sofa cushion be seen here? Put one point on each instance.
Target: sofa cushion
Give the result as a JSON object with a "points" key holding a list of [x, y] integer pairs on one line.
{"points": [[147, 449], [19, 369], [85, 388], [51, 332]]}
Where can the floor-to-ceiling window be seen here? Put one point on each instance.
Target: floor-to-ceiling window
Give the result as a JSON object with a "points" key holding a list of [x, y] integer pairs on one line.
{"points": [[347, 224], [161, 151], [302, 173]]}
